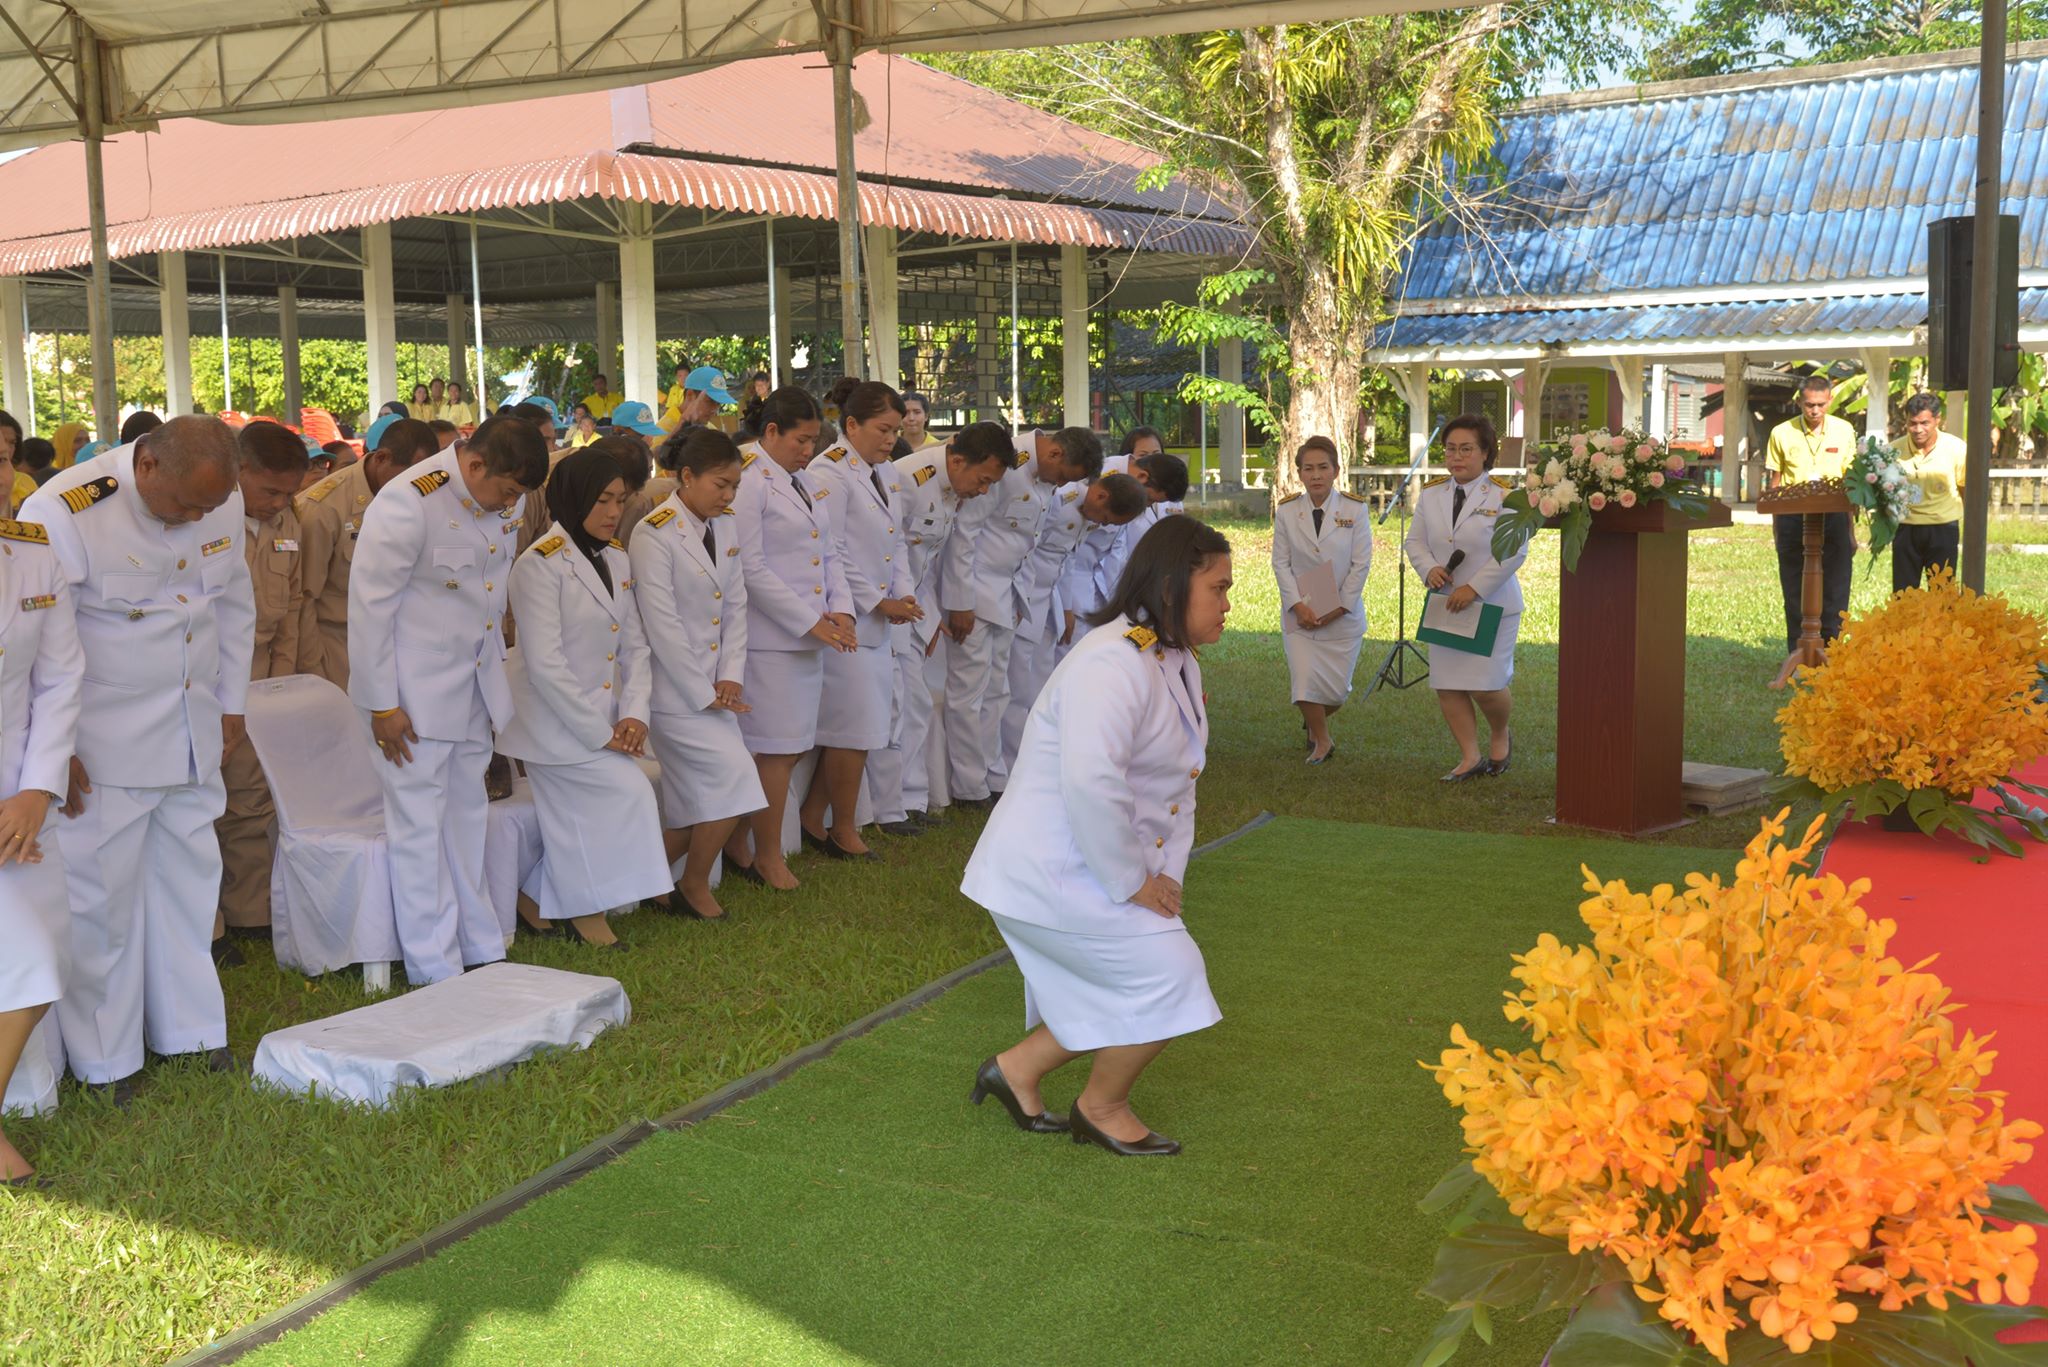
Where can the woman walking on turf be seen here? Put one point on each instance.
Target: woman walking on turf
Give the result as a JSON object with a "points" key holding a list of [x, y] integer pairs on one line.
{"points": [[1451, 547], [1082, 860], [1321, 531]]}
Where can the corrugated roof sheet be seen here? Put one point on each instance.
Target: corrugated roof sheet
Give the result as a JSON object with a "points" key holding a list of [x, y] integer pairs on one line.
{"points": [[1793, 183], [1533, 329]]}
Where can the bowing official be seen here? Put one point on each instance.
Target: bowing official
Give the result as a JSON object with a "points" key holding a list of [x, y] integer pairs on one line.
{"points": [[1321, 526], [1081, 863], [693, 598], [934, 480], [798, 607], [42, 672], [274, 462], [426, 606], [857, 486], [1451, 546], [150, 537], [330, 521], [581, 692]]}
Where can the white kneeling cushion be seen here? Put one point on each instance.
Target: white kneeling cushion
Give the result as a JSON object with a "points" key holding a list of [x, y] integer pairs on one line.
{"points": [[461, 1028]]}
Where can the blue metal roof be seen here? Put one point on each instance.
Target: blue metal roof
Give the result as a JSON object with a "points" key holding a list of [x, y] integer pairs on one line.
{"points": [[1523, 329], [1790, 183]]}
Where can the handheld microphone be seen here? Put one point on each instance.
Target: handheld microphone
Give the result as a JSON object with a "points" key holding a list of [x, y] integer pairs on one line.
{"points": [[1457, 559]]}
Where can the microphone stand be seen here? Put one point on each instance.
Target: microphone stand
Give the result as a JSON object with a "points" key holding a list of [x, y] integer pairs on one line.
{"points": [[1394, 670]]}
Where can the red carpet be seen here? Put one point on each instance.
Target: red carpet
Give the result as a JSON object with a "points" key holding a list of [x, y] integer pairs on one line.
{"points": [[1984, 915]]}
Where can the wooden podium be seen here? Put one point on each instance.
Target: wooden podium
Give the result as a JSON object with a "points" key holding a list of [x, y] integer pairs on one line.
{"points": [[1812, 507], [1621, 671]]}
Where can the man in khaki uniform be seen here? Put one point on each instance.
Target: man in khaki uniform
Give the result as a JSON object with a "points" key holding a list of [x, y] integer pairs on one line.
{"points": [[330, 515], [273, 465]]}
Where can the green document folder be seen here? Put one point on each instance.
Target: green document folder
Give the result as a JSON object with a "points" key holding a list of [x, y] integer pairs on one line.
{"points": [[1479, 643]]}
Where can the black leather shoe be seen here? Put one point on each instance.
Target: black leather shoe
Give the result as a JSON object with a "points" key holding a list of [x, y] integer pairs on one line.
{"points": [[1482, 769], [905, 827], [1497, 767], [747, 872], [120, 1092], [814, 842], [834, 850], [1151, 1146], [928, 818], [975, 804], [1325, 757], [681, 906], [227, 954], [990, 1082], [222, 1061], [33, 1181]]}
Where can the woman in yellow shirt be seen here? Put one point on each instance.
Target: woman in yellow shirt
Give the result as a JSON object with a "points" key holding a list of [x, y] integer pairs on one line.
{"points": [[1931, 531], [68, 439], [421, 405], [456, 408]]}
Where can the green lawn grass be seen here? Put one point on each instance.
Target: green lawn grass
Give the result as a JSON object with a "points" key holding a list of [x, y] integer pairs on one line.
{"points": [[208, 1203], [863, 1212]]}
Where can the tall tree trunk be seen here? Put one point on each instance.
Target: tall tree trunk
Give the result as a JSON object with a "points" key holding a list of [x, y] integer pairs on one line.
{"points": [[1328, 352]]}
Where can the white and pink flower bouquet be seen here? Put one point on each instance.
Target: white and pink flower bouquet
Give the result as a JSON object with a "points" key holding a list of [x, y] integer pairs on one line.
{"points": [[1878, 485], [1580, 474]]}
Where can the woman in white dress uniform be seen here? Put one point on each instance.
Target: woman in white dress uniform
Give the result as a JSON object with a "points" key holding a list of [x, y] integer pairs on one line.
{"points": [[1451, 546], [1321, 526], [798, 607], [42, 670], [580, 683], [1081, 862], [864, 508], [693, 599]]}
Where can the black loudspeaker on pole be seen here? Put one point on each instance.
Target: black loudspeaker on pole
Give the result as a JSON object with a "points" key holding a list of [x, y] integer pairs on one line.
{"points": [[1950, 264]]}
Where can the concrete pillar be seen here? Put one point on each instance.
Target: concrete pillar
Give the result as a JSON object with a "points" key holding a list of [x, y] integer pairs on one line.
{"points": [[885, 347], [288, 352], [1628, 370], [607, 303], [783, 334], [1735, 452], [1877, 370], [174, 310], [458, 341], [380, 315], [1412, 381], [14, 354], [1230, 416], [1074, 395], [1533, 376], [991, 340], [638, 325], [1659, 426]]}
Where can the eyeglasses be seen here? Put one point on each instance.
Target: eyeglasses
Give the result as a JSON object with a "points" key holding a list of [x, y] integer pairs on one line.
{"points": [[1463, 450]]}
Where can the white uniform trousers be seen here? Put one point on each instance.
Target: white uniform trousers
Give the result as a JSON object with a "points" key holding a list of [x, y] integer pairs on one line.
{"points": [[435, 818], [977, 691], [1031, 665], [600, 836], [142, 867], [896, 771]]}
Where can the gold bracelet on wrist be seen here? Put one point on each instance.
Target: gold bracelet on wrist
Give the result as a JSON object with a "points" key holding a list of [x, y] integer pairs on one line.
{"points": [[386, 711]]}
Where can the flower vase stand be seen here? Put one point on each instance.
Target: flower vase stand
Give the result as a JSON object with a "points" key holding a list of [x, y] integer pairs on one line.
{"points": [[1621, 671], [1812, 511]]}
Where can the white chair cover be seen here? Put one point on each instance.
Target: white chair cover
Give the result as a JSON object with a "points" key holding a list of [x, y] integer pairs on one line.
{"points": [[512, 853]]}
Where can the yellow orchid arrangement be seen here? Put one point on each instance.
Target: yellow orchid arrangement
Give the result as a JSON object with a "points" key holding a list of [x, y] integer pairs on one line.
{"points": [[1924, 700], [1743, 1129]]}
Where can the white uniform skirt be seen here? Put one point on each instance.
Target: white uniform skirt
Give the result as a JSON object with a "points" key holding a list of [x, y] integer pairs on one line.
{"points": [[854, 713], [1461, 670], [1320, 665], [35, 926], [600, 836], [784, 688], [706, 772], [1100, 991]]}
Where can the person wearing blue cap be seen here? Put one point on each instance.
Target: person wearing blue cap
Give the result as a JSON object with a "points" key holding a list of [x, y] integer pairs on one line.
{"points": [[696, 398], [634, 416]]}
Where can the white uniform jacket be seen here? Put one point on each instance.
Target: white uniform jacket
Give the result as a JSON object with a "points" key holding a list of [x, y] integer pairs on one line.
{"points": [[1038, 586], [581, 665], [166, 616], [929, 509], [867, 530], [693, 605], [42, 668], [1432, 540], [786, 551], [426, 601], [1102, 795], [980, 566], [1345, 544]]}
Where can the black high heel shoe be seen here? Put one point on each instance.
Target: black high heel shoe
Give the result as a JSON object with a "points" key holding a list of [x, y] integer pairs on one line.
{"points": [[1151, 1146], [576, 934], [832, 849], [746, 871], [1482, 769], [1497, 767], [990, 1082]]}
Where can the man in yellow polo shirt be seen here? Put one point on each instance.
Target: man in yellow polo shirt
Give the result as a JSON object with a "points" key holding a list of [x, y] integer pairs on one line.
{"points": [[600, 400], [1931, 532], [1814, 445]]}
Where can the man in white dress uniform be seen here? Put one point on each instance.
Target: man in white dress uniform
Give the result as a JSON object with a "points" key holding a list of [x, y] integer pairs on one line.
{"points": [[978, 574], [151, 538], [934, 481], [426, 661]]}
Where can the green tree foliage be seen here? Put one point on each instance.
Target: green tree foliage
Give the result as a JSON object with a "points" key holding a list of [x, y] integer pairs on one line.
{"points": [[1723, 36]]}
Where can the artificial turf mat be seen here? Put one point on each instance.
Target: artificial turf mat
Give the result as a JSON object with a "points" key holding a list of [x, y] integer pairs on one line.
{"points": [[863, 1212]]}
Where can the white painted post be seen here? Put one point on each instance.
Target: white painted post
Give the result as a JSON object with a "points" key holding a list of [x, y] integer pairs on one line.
{"points": [[480, 394], [1230, 416], [227, 353], [1877, 369], [1074, 397], [1534, 375], [1734, 425], [783, 284], [636, 302], [1016, 350], [288, 352], [174, 313], [1628, 370], [380, 314], [778, 301], [1413, 382], [1660, 404], [885, 348], [14, 352], [607, 303], [458, 341]]}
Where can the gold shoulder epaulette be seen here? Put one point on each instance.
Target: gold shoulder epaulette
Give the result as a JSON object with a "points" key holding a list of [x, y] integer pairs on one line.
{"points": [[430, 481], [918, 477], [550, 545], [661, 517], [728, 513], [836, 454], [1355, 498], [24, 531], [1502, 480], [617, 544], [1071, 495], [748, 459], [1022, 457], [1144, 638], [1432, 483], [1289, 499], [325, 487], [89, 493]]}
